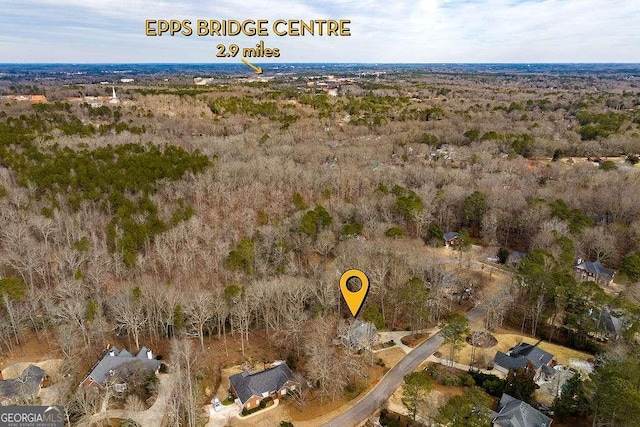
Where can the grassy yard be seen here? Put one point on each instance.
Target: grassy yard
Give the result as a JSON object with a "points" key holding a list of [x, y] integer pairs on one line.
{"points": [[507, 340]]}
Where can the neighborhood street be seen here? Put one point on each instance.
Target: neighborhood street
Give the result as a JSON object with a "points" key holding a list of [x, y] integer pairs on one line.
{"points": [[392, 380]]}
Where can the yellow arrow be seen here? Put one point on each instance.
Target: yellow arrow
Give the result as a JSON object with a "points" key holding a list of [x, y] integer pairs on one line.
{"points": [[258, 70]]}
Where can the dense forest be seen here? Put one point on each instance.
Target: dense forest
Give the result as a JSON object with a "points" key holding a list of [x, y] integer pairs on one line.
{"points": [[230, 211]]}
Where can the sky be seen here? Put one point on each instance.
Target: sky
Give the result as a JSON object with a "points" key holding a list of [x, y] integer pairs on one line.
{"points": [[382, 31]]}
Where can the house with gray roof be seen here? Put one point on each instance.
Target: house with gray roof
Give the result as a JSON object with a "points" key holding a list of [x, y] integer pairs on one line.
{"points": [[250, 388], [594, 271], [112, 360], [360, 335], [609, 326], [516, 413], [524, 355], [451, 238], [23, 389]]}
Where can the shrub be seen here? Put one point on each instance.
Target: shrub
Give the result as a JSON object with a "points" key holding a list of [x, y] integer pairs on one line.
{"points": [[352, 229], [488, 382], [503, 255], [432, 370], [429, 139], [394, 232], [298, 201], [557, 155], [467, 380], [451, 381], [608, 165]]}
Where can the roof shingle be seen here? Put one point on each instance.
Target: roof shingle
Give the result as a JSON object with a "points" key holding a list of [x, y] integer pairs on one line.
{"points": [[268, 381]]}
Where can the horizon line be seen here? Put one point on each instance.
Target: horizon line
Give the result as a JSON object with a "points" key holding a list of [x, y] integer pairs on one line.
{"points": [[332, 63]]}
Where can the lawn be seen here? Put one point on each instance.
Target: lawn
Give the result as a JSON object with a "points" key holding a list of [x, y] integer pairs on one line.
{"points": [[507, 340]]}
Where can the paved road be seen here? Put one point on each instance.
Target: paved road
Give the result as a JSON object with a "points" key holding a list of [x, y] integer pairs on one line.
{"points": [[392, 380]]}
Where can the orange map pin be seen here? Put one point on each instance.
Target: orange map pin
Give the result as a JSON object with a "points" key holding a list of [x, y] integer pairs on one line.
{"points": [[354, 299]]}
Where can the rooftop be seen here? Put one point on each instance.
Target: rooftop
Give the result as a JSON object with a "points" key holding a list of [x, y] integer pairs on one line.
{"points": [[113, 358], [520, 355], [266, 381], [595, 268], [25, 386], [516, 413], [451, 235]]}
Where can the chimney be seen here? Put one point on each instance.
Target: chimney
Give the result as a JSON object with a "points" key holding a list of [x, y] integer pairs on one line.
{"points": [[149, 355], [112, 352]]}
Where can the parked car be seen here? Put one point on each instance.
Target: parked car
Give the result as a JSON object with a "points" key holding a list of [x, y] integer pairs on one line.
{"points": [[217, 406]]}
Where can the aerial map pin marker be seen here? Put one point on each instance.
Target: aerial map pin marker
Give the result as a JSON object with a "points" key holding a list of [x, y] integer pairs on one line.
{"points": [[354, 299]]}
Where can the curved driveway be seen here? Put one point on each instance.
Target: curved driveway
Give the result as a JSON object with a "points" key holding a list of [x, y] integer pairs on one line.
{"points": [[370, 403]]}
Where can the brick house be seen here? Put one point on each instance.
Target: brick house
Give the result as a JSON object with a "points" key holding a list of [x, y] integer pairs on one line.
{"points": [[250, 388]]}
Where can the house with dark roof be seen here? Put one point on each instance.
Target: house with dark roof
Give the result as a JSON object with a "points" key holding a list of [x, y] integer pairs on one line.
{"points": [[516, 413], [609, 326], [250, 388], [594, 271], [451, 238], [112, 361], [23, 389], [525, 355]]}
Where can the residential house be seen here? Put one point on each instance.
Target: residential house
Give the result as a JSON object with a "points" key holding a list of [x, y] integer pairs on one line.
{"points": [[360, 335], [613, 324], [521, 356], [594, 271], [23, 389], [451, 238], [608, 325], [274, 381], [516, 413], [114, 360]]}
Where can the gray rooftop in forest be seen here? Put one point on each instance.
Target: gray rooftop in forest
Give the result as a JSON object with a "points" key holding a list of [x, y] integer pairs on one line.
{"points": [[25, 386], [450, 235], [595, 268], [113, 358], [361, 334]]}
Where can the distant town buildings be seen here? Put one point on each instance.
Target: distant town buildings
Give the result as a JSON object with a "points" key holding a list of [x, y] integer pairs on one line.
{"points": [[27, 98]]}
